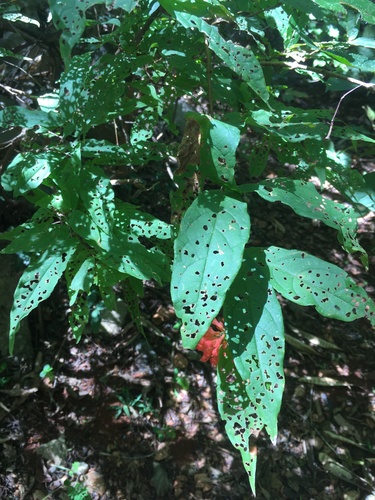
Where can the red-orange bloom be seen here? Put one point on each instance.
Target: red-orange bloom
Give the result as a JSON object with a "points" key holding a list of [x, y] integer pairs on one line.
{"points": [[212, 341]]}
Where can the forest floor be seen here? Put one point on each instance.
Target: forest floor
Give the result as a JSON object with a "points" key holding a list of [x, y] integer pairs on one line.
{"points": [[127, 416]]}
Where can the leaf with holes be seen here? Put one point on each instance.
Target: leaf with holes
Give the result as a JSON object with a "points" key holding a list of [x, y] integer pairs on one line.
{"points": [[208, 252], [130, 219], [38, 238], [79, 274], [240, 60], [129, 256], [98, 197], [236, 409], [28, 171], [79, 315], [219, 143], [122, 251], [74, 96], [309, 281], [255, 334], [35, 119], [70, 17], [32, 236], [306, 201], [106, 278], [38, 281], [250, 374]]}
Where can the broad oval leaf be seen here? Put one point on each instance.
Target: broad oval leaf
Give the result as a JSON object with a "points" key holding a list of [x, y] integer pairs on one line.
{"points": [[208, 253]]}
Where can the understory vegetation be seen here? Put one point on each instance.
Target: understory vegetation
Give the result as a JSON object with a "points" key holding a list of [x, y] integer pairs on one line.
{"points": [[160, 129]]}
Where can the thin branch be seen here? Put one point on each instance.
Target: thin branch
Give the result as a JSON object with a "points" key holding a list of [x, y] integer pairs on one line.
{"points": [[209, 81], [337, 108], [322, 71]]}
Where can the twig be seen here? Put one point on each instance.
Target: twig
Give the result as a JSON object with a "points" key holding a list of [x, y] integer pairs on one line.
{"points": [[337, 108], [209, 82], [324, 72]]}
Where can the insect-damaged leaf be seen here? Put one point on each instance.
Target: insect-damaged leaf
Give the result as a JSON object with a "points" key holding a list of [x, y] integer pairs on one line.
{"points": [[38, 281], [219, 143], [27, 171], [208, 252], [239, 59], [255, 334], [306, 201], [98, 197], [241, 419], [309, 281], [251, 379]]}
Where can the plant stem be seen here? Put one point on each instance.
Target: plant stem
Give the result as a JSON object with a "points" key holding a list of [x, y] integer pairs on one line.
{"points": [[209, 82]]}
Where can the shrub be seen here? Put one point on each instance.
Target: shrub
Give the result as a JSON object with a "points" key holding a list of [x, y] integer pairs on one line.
{"points": [[247, 69]]}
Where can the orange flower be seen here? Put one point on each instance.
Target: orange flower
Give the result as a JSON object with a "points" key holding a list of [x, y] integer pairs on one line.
{"points": [[211, 342]]}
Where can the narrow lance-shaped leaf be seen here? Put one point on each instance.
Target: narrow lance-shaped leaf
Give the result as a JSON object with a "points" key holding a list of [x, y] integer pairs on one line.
{"points": [[250, 389], [39, 121], [365, 7], [38, 281], [98, 197], [306, 201], [79, 274], [79, 316], [236, 409], [239, 59], [208, 252], [309, 281], [34, 235], [28, 171], [219, 143]]}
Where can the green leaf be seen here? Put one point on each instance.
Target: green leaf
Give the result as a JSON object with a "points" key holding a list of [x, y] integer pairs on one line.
{"points": [[84, 85], [129, 256], [70, 17], [236, 409], [98, 197], [122, 251], [208, 252], [38, 281], [130, 219], [126, 5], [309, 281], [79, 274], [250, 373], [219, 143], [37, 237], [27, 171], [239, 59], [25, 235], [255, 333], [39, 121], [133, 290], [306, 201], [365, 7], [202, 8], [79, 316], [82, 224], [365, 193]]}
